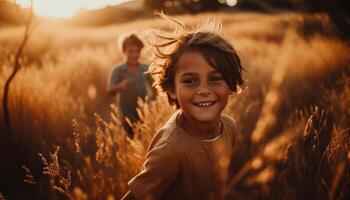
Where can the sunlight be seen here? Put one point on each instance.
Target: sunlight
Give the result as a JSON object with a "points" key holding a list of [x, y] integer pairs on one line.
{"points": [[231, 2], [65, 8]]}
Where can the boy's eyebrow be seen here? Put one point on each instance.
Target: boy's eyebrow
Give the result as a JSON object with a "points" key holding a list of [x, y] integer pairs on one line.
{"points": [[188, 74]]}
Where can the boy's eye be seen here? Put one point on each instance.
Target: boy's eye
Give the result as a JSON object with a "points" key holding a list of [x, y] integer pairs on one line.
{"points": [[189, 81]]}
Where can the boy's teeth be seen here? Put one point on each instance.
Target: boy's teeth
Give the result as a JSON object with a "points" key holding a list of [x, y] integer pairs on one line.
{"points": [[204, 104]]}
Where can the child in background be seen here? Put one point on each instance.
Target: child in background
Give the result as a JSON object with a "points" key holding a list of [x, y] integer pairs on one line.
{"points": [[188, 158], [129, 82]]}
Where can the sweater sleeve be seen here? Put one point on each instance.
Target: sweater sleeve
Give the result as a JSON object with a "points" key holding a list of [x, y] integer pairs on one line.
{"points": [[159, 171]]}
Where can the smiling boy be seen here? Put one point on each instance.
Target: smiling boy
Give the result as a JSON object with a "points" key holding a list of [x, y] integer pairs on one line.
{"points": [[189, 156]]}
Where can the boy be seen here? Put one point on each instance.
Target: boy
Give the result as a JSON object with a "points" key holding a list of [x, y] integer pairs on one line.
{"points": [[189, 156], [129, 82]]}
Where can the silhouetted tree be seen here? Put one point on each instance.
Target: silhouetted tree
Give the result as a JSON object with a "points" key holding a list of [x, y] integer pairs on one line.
{"points": [[201, 5], [10, 176], [7, 135]]}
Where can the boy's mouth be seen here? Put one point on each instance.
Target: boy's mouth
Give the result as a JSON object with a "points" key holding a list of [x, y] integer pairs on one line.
{"points": [[204, 103]]}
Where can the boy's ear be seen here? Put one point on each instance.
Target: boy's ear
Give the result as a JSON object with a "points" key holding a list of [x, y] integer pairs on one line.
{"points": [[172, 94]]}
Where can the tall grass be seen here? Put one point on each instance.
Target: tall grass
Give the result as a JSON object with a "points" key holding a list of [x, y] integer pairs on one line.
{"points": [[293, 118]]}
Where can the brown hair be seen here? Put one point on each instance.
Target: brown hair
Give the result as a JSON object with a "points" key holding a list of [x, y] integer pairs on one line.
{"points": [[205, 40], [132, 40]]}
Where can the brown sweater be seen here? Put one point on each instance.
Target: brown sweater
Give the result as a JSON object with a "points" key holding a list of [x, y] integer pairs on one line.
{"points": [[178, 166]]}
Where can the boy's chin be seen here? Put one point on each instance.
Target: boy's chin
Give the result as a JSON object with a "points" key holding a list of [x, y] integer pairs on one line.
{"points": [[205, 118]]}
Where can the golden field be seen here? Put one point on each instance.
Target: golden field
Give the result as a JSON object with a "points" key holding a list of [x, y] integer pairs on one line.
{"points": [[294, 116]]}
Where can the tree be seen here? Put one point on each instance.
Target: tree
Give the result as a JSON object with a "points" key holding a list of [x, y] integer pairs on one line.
{"points": [[7, 135], [338, 11], [195, 6], [153, 4]]}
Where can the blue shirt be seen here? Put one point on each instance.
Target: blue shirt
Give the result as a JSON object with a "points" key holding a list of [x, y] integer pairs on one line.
{"points": [[127, 100]]}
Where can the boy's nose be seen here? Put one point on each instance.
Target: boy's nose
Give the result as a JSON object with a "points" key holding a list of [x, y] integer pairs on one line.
{"points": [[203, 91]]}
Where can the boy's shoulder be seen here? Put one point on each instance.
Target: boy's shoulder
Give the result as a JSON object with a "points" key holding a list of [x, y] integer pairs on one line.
{"points": [[229, 121], [143, 67], [123, 67], [165, 135], [120, 67]]}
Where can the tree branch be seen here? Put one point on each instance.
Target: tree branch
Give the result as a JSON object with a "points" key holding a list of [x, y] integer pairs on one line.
{"points": [[16, 67]]}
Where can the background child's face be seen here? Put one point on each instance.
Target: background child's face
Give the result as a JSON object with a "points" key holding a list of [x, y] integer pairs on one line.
{"points": [[200, 90], [132, 53]]}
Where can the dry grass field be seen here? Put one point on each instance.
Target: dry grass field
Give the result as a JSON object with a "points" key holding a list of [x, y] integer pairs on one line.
{"points": [[294, 116]]}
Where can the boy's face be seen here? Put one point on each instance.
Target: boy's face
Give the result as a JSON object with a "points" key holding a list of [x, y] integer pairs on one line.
{"points": [[132, 53], [200, 89]]}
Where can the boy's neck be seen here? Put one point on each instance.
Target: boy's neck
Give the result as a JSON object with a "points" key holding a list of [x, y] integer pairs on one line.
{"points": [[132, 64], [132, 67], [198, 130]]}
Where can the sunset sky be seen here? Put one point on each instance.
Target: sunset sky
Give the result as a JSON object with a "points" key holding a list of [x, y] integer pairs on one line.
{"points": [[65, 8]]}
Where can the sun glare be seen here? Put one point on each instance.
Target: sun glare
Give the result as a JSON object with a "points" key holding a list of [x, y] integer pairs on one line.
{"points": [[64, 8]]}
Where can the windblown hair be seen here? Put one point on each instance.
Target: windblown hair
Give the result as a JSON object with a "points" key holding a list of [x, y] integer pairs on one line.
{"points": [[204, 39], [132, 40]]}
